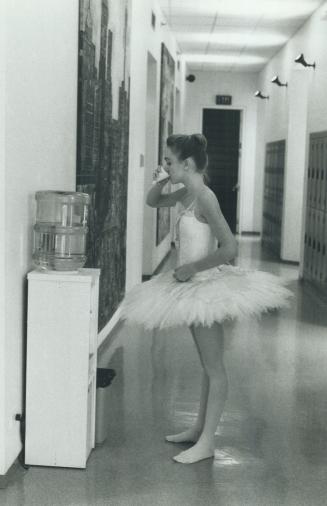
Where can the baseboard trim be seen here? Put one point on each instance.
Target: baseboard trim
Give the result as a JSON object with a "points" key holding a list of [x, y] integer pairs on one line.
{"points": [[250, 233], [290, 262], [104, 333], [146, 277]]}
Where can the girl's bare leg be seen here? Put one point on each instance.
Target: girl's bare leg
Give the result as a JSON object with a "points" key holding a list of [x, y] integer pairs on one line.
{"points": [[192, 434], [210, 341]]}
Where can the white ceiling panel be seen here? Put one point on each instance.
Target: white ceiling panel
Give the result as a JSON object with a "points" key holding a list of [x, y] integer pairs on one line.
{"points": [[231, 37], [242, 34], [223, 68], [204, 21], [273, 9]]}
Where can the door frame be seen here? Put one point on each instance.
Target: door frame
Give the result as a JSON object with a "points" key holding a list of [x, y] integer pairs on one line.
{"points": [[149, 250], [176, 130], [239, 205]]}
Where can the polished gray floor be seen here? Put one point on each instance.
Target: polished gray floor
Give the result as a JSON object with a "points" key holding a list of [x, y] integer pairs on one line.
{"points": [[271, 444]]}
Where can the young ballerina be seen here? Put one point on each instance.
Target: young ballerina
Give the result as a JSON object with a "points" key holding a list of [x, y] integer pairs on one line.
{"points": [[203, 290]]}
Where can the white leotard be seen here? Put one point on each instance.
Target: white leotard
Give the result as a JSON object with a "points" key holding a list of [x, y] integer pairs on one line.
{"points": [[193, 238]]}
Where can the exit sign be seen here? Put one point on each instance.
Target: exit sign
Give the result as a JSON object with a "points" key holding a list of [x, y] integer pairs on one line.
{"points": [[223, 100]]}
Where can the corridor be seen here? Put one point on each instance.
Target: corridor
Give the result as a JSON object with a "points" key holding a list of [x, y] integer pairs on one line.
{"points": [[270, 445]]}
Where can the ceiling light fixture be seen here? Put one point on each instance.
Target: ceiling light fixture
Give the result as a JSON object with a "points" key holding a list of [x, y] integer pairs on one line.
{"points": [[276, 80], [258, 94], [300, 59]]}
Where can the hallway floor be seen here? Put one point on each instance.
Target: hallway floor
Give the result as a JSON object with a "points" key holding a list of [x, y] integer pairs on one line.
{"points": [[271, 444]]}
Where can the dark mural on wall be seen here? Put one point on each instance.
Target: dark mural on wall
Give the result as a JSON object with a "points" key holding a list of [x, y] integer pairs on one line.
{"points": [[166, 123], [102, 140]]}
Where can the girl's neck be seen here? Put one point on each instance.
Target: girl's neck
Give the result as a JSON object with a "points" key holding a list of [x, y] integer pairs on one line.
{"points": [[194, 184]]}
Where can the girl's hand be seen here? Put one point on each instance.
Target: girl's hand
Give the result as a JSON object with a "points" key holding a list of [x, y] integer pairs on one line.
{"points": [[156, 172], [184, 272], [160, 175]]}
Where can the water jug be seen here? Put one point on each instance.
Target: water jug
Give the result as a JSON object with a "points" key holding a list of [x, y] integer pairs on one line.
{"points": [[60, 230]]}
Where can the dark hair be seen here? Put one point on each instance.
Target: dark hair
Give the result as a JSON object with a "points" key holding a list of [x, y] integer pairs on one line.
{"points": [[195, 146]]}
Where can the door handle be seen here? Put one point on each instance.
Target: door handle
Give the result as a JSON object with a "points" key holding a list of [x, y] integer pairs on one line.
{"points": [[236, 187]]}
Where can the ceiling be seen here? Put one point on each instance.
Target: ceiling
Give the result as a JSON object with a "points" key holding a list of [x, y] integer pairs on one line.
{"points": [[234, 35]]}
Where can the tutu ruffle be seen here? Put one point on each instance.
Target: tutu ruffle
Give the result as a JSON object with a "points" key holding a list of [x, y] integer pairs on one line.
{"points": [[221, 293]]}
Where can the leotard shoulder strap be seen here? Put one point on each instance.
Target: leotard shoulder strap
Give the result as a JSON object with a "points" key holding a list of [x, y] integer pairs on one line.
{"points": [[189, 206], [183, 211]]}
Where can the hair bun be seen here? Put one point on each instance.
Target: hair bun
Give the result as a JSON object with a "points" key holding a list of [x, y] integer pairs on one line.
{"points": [[200, 140]]}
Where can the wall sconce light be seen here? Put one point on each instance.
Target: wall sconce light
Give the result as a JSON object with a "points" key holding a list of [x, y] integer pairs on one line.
{"points": [[258, 94], [300, 59], [190, 78], [276, 80]]}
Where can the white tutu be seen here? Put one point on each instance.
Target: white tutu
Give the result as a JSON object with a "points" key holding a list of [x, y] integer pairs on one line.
{"points": [[217, 294], [213, 295]]}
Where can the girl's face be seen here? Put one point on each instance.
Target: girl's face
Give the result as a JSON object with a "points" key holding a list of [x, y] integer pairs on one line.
{"points": [[174, 167]]}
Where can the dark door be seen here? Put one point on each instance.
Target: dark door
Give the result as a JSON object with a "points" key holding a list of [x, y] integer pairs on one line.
{"points": [[221, 127]]}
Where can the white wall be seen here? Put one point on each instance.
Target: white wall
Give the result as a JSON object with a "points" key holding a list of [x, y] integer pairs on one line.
{"points": [[2, 236], [143, 40], [40, 141], [201, 94], [293, 113], [38, 132], [295, 159]]}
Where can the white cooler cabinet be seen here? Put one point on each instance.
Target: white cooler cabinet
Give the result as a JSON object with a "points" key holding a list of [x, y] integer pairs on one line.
{"points": [[61, 367]]}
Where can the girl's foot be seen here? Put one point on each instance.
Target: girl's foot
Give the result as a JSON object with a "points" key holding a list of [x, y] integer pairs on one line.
{"points": [[188, 436], [198, 452]]}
